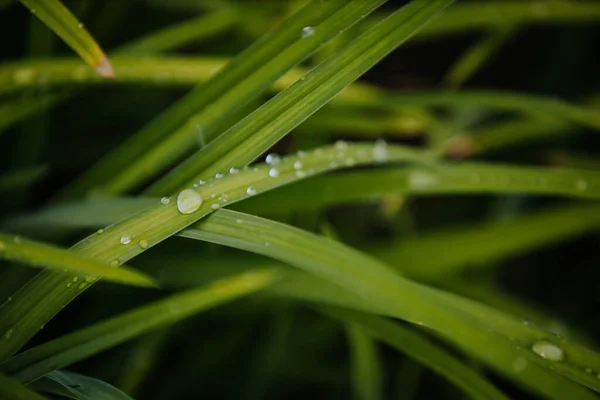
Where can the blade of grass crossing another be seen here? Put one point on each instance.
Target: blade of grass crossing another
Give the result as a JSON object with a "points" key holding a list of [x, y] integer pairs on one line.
{"points": [[45, 295], [36, 254], [60, 20], [208, 105], [252, 136], [79, 345]]}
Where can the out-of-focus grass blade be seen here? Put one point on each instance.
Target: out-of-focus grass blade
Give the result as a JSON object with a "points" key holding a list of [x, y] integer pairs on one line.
{"points": [[207, 108], [525, 103], [477, 245], [81, 344], [477, 56], [36, 254], [495, 338], [417, 347], [78, 387], [486, 15], [157, 223], [364, 364], [60, 20], [20, 178], [14, 110], [13, 390], [252, 136]]}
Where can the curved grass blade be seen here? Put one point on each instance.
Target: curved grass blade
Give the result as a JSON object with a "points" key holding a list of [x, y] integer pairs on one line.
{"points": [[157, 223], [252, 136], [78, 387], [495, 338], [478, 245], [68, 349], [60, 20], [417, 347], [364, 364], [36, 254], [208, 107], [13, 390]]}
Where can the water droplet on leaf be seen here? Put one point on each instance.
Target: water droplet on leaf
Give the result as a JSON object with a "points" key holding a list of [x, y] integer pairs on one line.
{"points": [[548, 351], [188, 201]]}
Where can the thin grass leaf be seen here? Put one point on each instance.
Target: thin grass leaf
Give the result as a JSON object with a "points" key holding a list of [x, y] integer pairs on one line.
{"points": [[420, 349], [252, 136], [207, 108], [60, 20], [13, 390], [20, 178], [78, 387], [15, 248], [365, 365], [157, 223], [76, 346], [15, 110], [495, 338], [482, 243]]}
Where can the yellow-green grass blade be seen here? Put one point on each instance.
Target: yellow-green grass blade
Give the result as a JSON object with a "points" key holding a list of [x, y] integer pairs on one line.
{"points": [[79, 345], [494, 338], [153, 225], [206, 109], [477, 245], [11, 389], [77, 386], [422, 350], [485, 15], [15, 248], [365, 365], [60, 20], [252, 136]]}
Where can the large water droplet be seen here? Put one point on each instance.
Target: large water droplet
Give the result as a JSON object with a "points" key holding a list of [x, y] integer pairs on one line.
{"points": [[307, 32], [273, 172], [125, 239], [188, 201], [548, 350], [272, 159], [250, 191]]}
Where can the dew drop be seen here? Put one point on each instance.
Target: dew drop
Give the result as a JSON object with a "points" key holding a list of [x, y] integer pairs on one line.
{"points": [[548, 350], [125, 239], [201, 182], [250, 191], [581, 185], [188, 201], [420, 179], [90, 279], [215, 206], [301, 154], [341, 145], [165, 201], [219, 175], [144, 244], [300, 174], [298, 165], [8, 334], [380, 152], [272, 159], [239, 221], [115, 263], [307, 32], [100, 231], [69, 284], [273, 172], [82, 285], [233, 170]]}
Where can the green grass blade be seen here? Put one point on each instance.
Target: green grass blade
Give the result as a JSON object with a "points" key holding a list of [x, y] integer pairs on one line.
{"points": [[479, 244], [155, 224], [534, 105], [417, 347], [485, 15], [15, 110], [494, 338], [208, 106], [20, 178], [81, 344], [36, 254], [60, 20], [78, 387], [13, 390], [251, 137], [364, 364]]}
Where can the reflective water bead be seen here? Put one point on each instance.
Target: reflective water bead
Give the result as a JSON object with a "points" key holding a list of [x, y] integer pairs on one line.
{"points": [[188, 201], [233, 170], [272, 159], [341, 145], [298, 165], [548, 350], [115, 263], [215, 206], [380, 150], [250, 191], [307, 32], [219, 175], [125, 239], [165, 200], [273, 172], [143, 244]]}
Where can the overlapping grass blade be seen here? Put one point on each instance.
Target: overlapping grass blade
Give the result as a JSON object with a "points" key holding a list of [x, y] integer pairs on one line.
{"points": [[365, 365], [37, 254], [417, 347], [252, 136], [13, 390], [60, 20], [81, 344], [208, 107], [164, 219], [477, 245], [487, 334], [78, 387]]}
